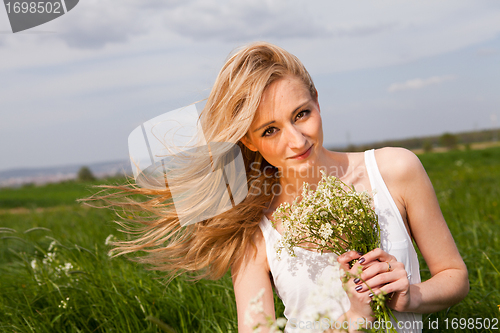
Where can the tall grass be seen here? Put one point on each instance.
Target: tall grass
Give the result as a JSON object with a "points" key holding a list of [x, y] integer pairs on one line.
{"points": [[56, 276], [468, 188], [60, 279]]}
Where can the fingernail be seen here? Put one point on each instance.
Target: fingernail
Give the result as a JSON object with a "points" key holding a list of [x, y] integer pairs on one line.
{"points": [[370, 294], [356, 280], [358, 288], [360, 253], [361, 260]]}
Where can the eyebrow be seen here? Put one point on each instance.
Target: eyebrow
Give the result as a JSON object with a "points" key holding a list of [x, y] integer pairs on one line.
{"points": [[273, 121]]}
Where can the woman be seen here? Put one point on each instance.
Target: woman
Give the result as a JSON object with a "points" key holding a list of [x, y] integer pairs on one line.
{"points": [[265, 101]]}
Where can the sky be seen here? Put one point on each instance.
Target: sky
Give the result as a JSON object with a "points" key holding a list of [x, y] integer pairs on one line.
{"points": [[73, 89]]}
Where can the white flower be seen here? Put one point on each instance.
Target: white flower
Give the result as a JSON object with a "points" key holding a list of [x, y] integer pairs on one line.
{"points": [[109, 239], [326, 231], [248, 319], [281, 322], [66, 268], [255, 306], [52, 245], [64, 304], [49, 258]]}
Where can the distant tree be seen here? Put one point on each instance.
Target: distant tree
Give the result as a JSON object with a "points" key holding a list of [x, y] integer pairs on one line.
{"points": [[427, 146], [85, 175], [448, 140]]}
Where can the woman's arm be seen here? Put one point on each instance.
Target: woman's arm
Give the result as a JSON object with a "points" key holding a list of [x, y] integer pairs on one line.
{"points": [[413, 192], [250, 277]]}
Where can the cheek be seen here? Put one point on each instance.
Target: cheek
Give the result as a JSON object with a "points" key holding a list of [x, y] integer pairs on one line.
{"points": [[317, 125], [269, 150]]}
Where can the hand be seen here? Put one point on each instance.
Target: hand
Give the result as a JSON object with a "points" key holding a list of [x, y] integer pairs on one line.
{"points": [[382, 272], [360, 299]]}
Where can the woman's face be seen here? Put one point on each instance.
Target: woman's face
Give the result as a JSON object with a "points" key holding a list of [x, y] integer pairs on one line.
{"points": [[287, 128]]}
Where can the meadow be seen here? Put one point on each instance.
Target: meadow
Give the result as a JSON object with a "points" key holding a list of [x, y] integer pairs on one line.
{"points": [[56, 275]]}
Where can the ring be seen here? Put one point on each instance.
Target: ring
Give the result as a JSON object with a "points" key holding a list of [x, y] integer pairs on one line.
{"points": [[389, 268]]}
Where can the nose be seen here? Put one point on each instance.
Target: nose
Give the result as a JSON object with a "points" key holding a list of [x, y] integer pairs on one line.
{"points": [[295, 137]]}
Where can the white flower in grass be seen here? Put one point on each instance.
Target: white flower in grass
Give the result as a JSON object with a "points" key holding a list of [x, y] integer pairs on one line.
{"points": [[64, 303], [65, 268], [49, 258], [52, 245], [109, 239]]}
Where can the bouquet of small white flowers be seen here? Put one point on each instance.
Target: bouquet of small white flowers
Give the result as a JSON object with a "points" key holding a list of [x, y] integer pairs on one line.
{"points": [[333, 218]]}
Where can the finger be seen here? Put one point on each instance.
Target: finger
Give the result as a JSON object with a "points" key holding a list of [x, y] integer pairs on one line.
{"points": [[364, 265], [361, 297], [373, 283], [346, 258], [377, 267], [376, 277], [374, 255], [401, 285]]}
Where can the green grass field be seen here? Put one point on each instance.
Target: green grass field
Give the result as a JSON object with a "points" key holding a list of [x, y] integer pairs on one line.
{"points": [[56, 276]]}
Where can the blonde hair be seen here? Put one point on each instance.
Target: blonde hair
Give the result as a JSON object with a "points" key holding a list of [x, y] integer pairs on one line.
{"points": [[212, 246]]}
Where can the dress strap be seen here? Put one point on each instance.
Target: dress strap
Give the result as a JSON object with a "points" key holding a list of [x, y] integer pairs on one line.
{"points": [[371, 168], [382, 196]]}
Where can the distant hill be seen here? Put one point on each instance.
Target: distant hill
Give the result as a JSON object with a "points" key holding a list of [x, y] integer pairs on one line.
{"points": [[428, 143], [17, 177]]}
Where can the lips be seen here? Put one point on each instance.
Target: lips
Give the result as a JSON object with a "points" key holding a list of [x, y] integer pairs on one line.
{"points": [[302, 155]]}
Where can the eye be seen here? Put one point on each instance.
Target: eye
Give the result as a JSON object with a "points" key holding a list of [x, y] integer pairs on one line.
{"points": [[269, 131], [302, 114]]}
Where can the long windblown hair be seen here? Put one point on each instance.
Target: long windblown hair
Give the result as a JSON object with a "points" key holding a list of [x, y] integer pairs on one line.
{"points": [[210, 247]]}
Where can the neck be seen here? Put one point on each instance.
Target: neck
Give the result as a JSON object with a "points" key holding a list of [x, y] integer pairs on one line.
{"points": [[292, 180]]}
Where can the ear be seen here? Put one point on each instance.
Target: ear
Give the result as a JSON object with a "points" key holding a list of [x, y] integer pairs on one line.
{"points": [[248, 143]]}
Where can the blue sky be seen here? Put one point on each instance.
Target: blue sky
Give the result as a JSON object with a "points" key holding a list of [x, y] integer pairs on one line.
{"points": [[73, 89]]}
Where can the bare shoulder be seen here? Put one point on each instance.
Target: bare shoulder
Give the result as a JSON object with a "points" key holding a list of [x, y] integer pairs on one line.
{"points": [[251, 278], [254, 255], [260, 248], [398, 164]]}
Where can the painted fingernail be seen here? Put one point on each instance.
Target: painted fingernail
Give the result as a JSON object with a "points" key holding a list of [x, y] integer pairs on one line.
{"points": [[356, 280], [361, 260], [360, 253], [358, 288], [370, 294]]}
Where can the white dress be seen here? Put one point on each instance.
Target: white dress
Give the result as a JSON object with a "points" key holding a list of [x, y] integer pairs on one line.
{"points": [[309, 284]]}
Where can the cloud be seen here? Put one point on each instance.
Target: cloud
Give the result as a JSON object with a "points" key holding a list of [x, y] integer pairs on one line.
{"points": [[232, 20], [96, 23], [419, 83], [485, 52], [365, 30]]}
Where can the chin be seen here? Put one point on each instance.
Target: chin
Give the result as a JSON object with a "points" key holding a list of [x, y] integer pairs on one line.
{"points": [[303, 169]]}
